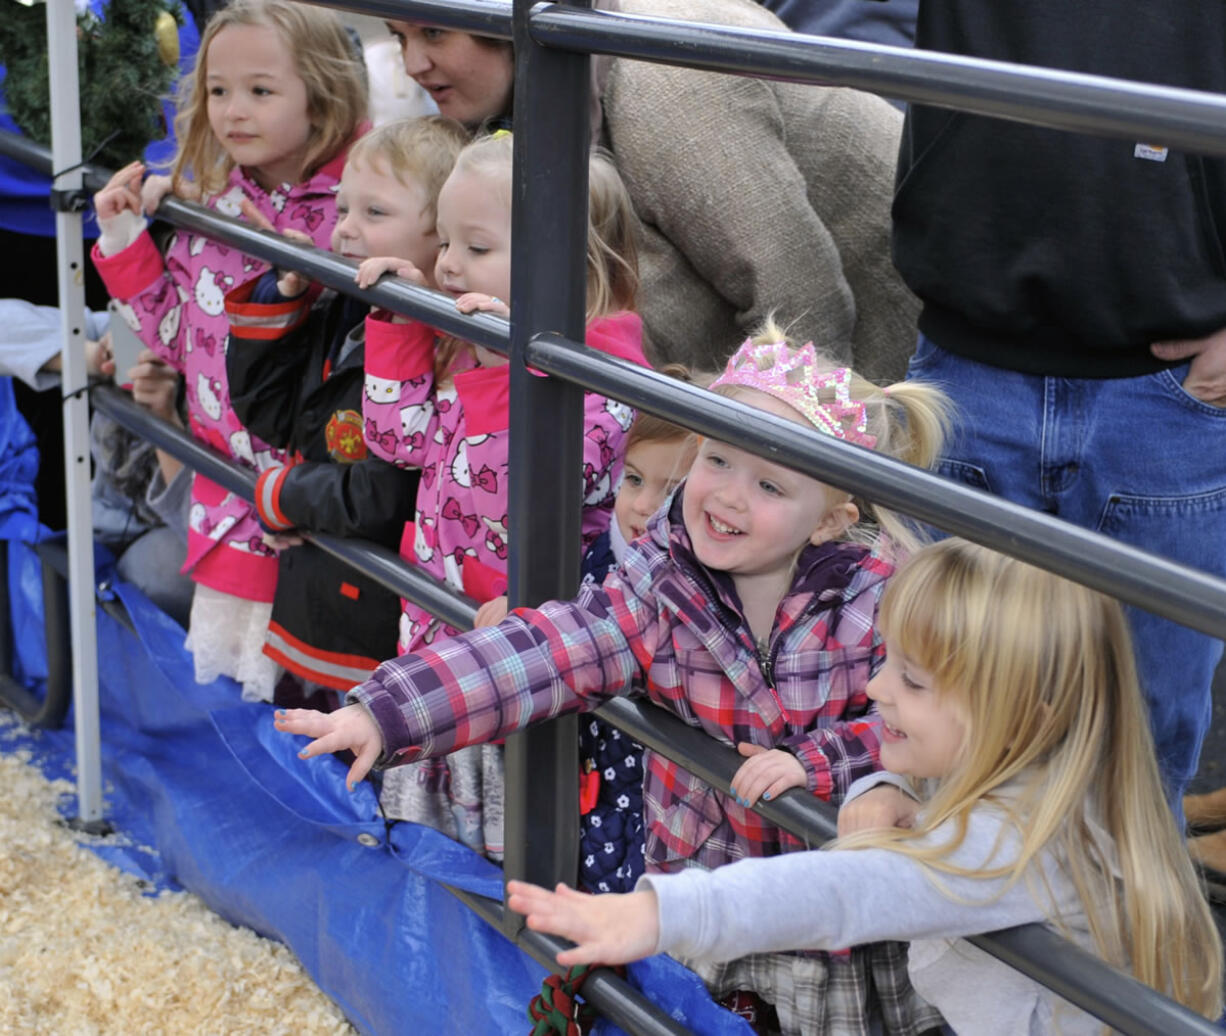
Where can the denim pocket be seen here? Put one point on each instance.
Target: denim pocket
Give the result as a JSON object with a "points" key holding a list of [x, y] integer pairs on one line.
{"points": [[968, 474], [1170, 381]]}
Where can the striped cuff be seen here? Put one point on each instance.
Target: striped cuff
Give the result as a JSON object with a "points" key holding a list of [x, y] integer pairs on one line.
{"points": [[268, 498], [267, 321]]}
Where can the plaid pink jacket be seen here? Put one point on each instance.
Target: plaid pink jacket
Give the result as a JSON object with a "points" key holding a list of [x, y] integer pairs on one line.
{"points": [[665, 626]]}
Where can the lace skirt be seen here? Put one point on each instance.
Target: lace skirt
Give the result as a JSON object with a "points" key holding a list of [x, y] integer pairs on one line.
{"points": [[225, 635]]}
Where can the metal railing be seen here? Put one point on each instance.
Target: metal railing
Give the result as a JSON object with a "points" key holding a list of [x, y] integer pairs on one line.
{"points": [[552, 46]]}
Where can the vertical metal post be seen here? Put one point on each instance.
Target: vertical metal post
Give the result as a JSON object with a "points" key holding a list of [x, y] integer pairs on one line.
{"points": [[66, 154], [548, 292]]}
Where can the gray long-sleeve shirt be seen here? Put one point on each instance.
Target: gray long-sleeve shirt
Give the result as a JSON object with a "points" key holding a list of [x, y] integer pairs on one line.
{"points": [[832, 900]]}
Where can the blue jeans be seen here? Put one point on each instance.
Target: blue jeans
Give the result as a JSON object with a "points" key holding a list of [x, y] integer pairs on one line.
{"points": [[1138, 459]]}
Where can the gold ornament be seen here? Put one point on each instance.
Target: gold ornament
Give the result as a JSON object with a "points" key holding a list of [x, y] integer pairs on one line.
{"points": [[166, 32]]}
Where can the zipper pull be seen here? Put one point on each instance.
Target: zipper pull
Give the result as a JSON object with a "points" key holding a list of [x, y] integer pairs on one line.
{"points": [[765, 664]]}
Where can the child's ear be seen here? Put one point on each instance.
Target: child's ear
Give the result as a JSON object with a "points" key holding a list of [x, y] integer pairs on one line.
{"points": [[835, 522]]}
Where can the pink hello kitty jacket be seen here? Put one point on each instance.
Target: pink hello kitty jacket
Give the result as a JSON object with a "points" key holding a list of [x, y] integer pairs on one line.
{"points": [[458, 435], [177, 307]]}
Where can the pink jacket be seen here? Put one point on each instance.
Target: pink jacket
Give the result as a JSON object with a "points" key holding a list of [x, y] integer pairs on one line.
{"points": [[458, 436], [177, 307]]}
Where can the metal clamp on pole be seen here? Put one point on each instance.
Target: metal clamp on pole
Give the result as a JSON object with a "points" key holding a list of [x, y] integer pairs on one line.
{"points": [[73, 200]]}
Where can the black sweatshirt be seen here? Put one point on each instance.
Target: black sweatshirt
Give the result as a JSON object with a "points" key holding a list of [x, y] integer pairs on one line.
{"points": [[1058, 253]]}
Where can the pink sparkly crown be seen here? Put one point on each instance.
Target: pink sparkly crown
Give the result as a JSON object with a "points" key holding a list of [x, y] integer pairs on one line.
{"points": [[797, 377]]}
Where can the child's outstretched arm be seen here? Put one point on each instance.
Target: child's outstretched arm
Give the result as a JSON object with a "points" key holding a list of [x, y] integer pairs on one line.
{"points": [[348, 728], [815, 900], [565, 656]]}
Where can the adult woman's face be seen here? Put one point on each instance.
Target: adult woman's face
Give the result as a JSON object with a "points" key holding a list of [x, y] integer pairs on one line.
{"points": [[469, 79]]}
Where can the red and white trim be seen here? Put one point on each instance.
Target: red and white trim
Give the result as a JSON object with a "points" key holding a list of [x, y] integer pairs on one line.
{"points": [[268, 498], [330, 668]]}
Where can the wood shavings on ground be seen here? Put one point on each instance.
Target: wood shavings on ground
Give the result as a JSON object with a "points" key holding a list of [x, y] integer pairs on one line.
{"points": [[83, 949]]}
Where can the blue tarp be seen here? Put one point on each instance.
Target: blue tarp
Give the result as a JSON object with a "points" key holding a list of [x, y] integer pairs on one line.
{"points": [[227, 810]]}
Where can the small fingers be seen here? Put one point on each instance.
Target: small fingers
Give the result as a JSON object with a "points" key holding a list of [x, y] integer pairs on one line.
{"points": [[254, 216], [302, 721], [589, 953], [779, 786], [361, 765], [475, 301]]}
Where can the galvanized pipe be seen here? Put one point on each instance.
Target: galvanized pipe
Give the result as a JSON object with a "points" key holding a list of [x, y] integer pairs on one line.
{"points": [[1146, 580], [1188, 119], [371, 559]]}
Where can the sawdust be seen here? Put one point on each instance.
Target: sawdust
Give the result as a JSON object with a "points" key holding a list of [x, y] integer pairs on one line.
{"points": [[85, 949]]}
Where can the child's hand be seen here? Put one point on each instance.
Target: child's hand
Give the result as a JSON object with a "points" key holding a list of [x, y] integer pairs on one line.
{"points": [[155, 384], [156, 187], [121, 194], [350, 727], [289, 283], [609, 929], [370, 270], [282, 540], [491, 613], [767, 773], [475, 302], [884, 806]]}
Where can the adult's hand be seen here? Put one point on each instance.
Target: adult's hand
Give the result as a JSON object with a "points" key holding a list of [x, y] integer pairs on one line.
{"points": [[1206, 378]]}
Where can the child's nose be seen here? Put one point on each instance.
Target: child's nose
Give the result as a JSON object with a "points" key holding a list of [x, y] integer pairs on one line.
{"points": [[731, 494]]}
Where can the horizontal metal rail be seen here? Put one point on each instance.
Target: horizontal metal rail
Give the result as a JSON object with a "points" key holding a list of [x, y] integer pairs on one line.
{"points": [[1189, 119], [1073, 101], [1037, 952], [1150, 582], [382, 565], [1146, 580]]}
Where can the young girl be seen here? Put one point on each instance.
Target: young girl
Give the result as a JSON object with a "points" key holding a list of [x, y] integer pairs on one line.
{"points": [[1012, 693], [276, 97], [296, 368], [444, 406], [658, 454], [743, 611]]}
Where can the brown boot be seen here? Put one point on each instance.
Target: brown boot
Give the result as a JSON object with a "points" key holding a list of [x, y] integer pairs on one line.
{"points": [[1206, 812]]}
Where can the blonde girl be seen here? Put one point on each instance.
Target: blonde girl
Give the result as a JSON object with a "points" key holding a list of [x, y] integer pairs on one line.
{"points": [[747, 612], [276, 96], [443, 405], [1010, 695]]}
